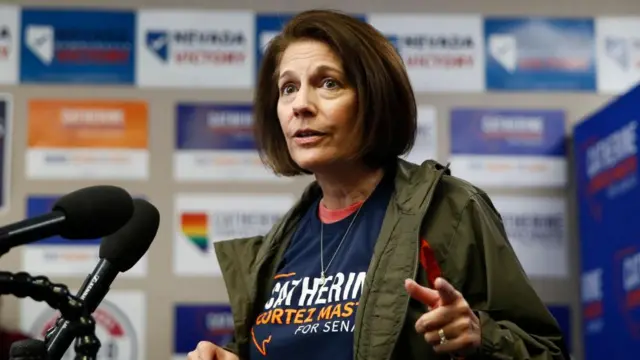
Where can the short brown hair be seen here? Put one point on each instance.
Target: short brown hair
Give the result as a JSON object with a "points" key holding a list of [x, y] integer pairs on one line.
{"points": [[386, 103]]}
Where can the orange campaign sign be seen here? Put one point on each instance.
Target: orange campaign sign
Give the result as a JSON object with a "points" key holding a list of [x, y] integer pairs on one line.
{"points": [[87, 139], [87, 124]]}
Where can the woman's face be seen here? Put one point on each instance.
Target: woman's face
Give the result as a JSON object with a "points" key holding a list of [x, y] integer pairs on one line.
{"points": [[316, 107]]}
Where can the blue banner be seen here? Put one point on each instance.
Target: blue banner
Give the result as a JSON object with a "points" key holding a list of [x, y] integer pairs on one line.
{"points": [[77, 46], [40, 205], [214, 127], [508, 132], [531, 54], [606, 148], [270, 25], [562, 313], [195, 323]]}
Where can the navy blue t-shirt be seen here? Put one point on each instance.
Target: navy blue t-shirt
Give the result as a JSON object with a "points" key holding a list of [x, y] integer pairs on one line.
{"points": [[304, 320]]}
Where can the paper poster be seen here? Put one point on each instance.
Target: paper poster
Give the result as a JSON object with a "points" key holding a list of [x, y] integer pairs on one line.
{"points": [[509, 147], [200, 322], [268, 25], [9, 44], [120, 324], [195, 48], [214, 142], [618, 53], [57, 256], [6, 136], [440, 52], [426, 145], [87, 139], [540, 54], [77, 46], [537, 230], [203, 219]]}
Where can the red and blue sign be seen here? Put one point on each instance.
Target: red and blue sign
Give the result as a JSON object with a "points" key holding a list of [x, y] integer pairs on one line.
{"points": [[606, 148], [77, 46], [540, 54], [214, 127], [201, 322]]}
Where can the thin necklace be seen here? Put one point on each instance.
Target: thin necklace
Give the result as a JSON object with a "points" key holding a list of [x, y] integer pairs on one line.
{"points": [[322, 268]]}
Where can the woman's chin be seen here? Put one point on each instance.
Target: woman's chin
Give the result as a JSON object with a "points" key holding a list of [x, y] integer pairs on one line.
{"points": [[314, 162]]}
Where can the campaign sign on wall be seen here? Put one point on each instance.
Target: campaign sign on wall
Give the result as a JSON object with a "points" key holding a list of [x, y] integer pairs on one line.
{"points": [[9, 43], [618, 53], [509, 147], [200, 322], [562, 314], [203, 219], [77, 46], [6, 140], [87, 139], [537, 230], [215, 142], [540, 54], [426, 144], [195, 48], [608, 193], [268, 25], [120, 324], [440, 52], [61, 257]]}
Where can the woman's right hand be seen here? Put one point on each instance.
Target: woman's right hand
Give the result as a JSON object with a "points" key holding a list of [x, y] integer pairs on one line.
{"points": [[210, 351]]}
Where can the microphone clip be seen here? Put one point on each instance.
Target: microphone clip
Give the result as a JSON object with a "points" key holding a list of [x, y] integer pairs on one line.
{"points": [[72, 309]]}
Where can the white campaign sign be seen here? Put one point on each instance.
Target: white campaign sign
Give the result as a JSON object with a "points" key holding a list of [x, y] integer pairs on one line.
{"points": [[618, 53], [9, 44], [195, 48], [120, 324], [426, 145], [202, 219], [441, 52], [537, 230]]}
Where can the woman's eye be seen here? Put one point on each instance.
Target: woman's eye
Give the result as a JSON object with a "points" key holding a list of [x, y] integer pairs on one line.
{"points": [[330, 83], [287, 89]]}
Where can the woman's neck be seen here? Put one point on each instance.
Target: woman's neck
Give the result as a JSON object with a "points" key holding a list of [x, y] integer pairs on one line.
{"points": [[342, 188]]}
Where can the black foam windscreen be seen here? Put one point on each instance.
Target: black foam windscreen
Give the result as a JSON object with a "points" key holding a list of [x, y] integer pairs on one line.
{"points": [[94, 212], [29, 349], [126, 247]]}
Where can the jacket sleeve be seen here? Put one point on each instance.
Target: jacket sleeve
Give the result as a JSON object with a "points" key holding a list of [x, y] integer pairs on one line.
{"points": [[515, 324]]}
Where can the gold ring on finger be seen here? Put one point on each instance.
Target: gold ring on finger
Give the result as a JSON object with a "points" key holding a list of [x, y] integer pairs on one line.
{"points": [[443, 338]]}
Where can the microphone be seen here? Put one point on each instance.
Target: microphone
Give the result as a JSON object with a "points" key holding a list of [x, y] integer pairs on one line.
{"points": [[28, 349], [119, 252], [88, 213]]}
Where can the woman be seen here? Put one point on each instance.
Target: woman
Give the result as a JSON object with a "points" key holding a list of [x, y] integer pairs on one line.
{"points": [[348, 272]]}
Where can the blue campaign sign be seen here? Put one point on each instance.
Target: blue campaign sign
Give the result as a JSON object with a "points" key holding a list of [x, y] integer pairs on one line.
{"points": [[195, 323], [562, 313], [531, 54], [214, 127], [40, 205], [270, 25], [77, 46], [508, 132], [606, 148]]}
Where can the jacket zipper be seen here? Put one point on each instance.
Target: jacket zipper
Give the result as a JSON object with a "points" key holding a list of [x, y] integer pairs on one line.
{"points": [[416, 259]]}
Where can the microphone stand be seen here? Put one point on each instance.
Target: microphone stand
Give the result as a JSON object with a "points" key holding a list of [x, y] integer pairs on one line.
{"points": [[58, 297]]}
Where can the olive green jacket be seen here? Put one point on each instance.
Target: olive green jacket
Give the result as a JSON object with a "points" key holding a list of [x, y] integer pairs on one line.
{"points": [[469, 242]]}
